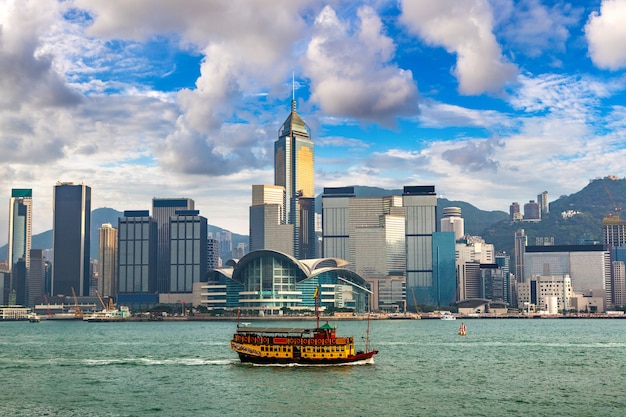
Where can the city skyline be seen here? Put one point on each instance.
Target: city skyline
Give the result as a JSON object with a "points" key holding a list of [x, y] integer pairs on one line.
{"points": [[186, 101]]}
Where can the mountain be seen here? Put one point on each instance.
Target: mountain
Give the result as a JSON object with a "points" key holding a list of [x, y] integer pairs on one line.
{"points": [[98, 217], [601, 197]]}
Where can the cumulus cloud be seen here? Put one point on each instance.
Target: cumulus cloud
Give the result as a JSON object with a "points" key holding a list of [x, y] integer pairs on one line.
{"points": [[351, 71], [466, 29], [606, 35], [27, 76], [475, 155]]}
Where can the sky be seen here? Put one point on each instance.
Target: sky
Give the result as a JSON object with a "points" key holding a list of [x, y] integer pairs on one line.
{"points": [[489, 101]]}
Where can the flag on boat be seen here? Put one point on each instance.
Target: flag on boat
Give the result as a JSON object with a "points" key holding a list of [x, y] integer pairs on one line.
{"points": [[316, 294]]}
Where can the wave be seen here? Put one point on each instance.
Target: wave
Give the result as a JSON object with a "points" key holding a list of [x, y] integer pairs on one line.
{"points": [[158, 361]]}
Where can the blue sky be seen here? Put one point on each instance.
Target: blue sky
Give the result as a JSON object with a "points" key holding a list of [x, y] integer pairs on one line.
{"points": [[489, 101]]}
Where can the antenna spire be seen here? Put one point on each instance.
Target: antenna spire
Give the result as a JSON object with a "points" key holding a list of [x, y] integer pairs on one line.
{"points": [[293, 91]]}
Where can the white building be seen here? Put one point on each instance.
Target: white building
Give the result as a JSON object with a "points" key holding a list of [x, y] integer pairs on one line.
{"points": [[551, 294]]}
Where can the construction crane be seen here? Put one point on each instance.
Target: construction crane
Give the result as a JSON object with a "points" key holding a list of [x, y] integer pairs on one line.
{"points": [[616, 208], [78, 313], [104, 306]]}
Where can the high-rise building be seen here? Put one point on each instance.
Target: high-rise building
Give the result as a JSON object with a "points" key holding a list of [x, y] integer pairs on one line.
{"points": [[453, 222], [20, 226], [420, 204], [521, 241], [36, 276], [294, 170], [137, 253], [188, 250], [544, 204], [532, 212], [71, 238], [514, 211], [613, 231], [107, 257], [267, 226], [213, 253], [20, 238], [162, 210]]}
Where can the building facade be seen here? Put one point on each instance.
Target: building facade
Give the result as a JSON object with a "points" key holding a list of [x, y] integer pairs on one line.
{"points": [[20, 234], [188, 250], [71, 236], [268, 229], [162, 210], [107, 260], [137, 253], [268, 282], [294, 156], [420, 205]]}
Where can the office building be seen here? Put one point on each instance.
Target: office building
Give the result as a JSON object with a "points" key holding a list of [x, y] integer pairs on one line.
{"points": [[532, 211], [514, 212], [20, 226], [213, 253], [188, 250], [619, 283], [294, 170], [36, 277], [71, 238], [20, 236], [542, 200], [588, 266], [420, 205], [521, 241], [268, 229], [551, 294], [137, 253], [453, 222], [613, 231], [107, 260], [162, 210]]}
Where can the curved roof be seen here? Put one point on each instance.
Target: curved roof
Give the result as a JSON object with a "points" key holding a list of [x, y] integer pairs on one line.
{"points": [[314, 264], [265, 252]]}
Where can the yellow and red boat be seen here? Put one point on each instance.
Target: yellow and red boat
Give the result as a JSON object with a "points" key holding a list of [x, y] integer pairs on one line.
{"points": [[312, 346]]}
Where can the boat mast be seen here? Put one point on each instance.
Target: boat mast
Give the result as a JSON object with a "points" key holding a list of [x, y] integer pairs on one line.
{"points": [[317, 307], [367, 334]]}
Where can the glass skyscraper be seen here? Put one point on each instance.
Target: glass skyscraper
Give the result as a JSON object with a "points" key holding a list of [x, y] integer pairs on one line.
{"points": [[162, 210], [71, 238], [188, 250], [20, 233], [137, 248], [294, 170]]}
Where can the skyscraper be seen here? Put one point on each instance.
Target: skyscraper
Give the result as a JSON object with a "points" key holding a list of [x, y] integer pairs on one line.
{"points": [[294, 170], [162, 210], [267, 227], [188, 250], [420, 203], [107, 257], [20, 232], [137, 248], [453, 222], [70, 238]]}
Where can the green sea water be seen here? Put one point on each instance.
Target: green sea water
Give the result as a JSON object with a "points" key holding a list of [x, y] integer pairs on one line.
{"points": [[525, 367]]}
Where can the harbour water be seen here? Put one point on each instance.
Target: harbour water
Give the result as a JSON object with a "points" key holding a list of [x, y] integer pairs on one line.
{"points": [[526, 367]]}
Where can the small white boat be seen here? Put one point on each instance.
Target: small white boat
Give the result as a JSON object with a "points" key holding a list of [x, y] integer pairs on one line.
{"points": [[447, 316]]}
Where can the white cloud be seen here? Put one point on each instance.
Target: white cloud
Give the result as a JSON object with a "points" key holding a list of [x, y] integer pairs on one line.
{"points": [[606, 35], [466, 29], [351, 72]]}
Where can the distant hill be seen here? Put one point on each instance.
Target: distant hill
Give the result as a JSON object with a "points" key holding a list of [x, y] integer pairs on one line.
{"points": [[98, 217], [594, 202]]}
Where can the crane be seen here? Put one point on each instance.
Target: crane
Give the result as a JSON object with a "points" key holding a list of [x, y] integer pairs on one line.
{"points": [[104, 306], [78, 313], [616, 208]]}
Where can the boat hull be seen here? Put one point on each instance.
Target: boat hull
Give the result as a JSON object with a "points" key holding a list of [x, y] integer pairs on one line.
{"points": [[265, 360]]}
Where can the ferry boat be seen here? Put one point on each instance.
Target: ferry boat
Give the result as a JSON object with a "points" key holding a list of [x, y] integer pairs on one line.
{"points": [[107, 315], [305, 346]]}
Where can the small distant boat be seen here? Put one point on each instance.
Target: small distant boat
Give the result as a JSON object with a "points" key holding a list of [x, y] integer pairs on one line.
{"points": [[462, 330], [447, 316], [34, 318]]}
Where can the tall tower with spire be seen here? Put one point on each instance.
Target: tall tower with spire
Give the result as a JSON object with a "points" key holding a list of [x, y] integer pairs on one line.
{"points": [[294, 170]]}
